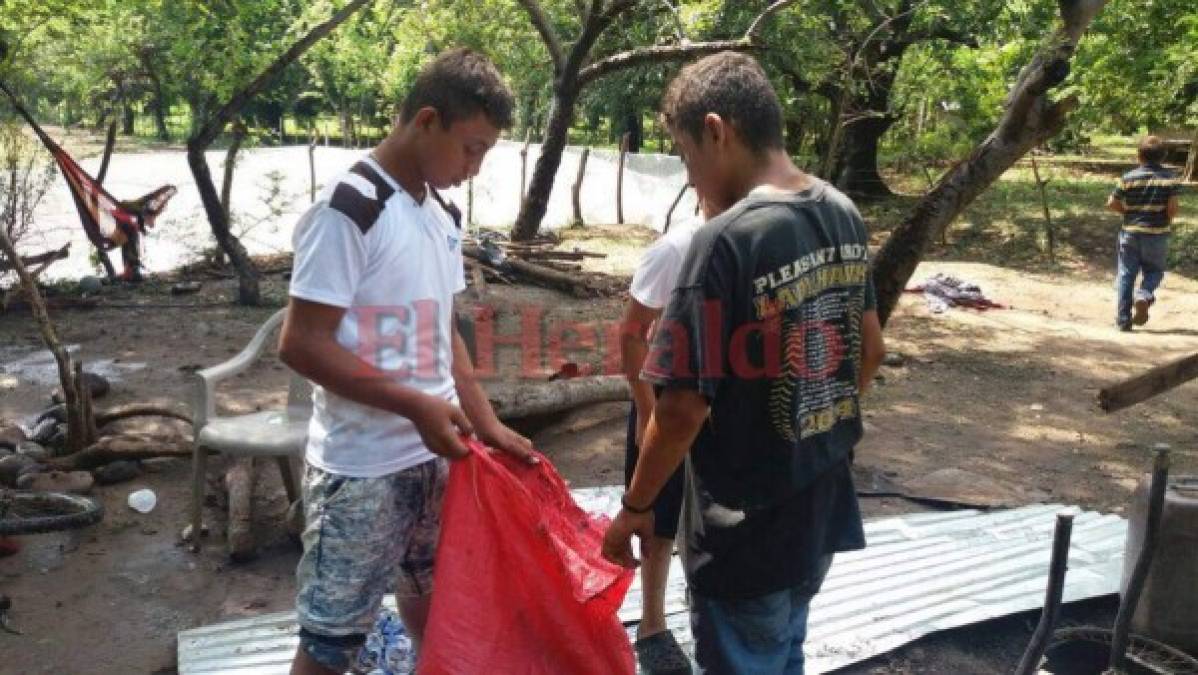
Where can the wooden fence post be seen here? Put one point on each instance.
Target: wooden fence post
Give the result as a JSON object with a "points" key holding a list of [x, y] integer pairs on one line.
{"points": [[620, 178], [576, 191]]}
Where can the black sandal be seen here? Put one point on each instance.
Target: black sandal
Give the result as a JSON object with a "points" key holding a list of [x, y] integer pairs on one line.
{"points": [[659, 654]]}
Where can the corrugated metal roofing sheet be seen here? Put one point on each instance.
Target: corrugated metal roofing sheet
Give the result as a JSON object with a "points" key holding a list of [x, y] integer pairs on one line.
{"points": [[920, 573]]}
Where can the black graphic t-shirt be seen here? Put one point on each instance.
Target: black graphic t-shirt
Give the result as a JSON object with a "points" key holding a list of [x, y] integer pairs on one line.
{"points": [[765, 322]]}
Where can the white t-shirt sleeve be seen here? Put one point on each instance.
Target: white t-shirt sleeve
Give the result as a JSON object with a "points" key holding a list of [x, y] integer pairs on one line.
{"points": [[330, 258], [657, 274]]}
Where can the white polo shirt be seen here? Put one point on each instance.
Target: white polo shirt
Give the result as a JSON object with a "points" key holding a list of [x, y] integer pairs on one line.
{"points": [[394, 265]]}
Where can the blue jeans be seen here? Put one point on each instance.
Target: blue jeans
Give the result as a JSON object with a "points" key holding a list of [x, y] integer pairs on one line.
{"points": [[757, 636], [1138, 253]]}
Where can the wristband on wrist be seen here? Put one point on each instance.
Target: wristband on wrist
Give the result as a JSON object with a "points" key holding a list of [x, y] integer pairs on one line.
{"points": [[632, 509]]}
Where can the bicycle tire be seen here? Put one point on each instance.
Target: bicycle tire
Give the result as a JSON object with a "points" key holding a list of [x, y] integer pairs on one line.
{"points": [[1145, 655], [32, 512]]}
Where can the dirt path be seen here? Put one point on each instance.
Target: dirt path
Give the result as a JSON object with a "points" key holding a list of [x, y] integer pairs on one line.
{"points": [[1007, 394]]}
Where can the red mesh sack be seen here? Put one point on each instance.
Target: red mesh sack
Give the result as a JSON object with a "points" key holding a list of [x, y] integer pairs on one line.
{"points": [[520, 586]]}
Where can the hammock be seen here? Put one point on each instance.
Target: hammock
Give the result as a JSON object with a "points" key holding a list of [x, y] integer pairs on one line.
{"points": [[108, 222]]}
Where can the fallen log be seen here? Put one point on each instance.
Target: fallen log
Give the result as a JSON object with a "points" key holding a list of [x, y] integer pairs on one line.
{"points": [[537, 274], [524, 399], [561, 266], [239, 483], [1148, 384], [554, 255], [105, 417], [126, 446]]}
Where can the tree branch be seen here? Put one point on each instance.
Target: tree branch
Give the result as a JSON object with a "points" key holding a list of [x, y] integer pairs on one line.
{"points": [[754, 32], [942, 32], [541, 22], [208, 133], [658, 54], [677, 52], [871, 10]]}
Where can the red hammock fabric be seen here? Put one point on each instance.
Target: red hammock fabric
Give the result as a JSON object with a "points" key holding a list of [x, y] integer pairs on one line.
{"points": [[520, 585], [108, 222]]}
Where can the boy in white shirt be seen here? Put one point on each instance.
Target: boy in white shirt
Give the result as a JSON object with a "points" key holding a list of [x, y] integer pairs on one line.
{"points": [[378, 259], [654, 279]]}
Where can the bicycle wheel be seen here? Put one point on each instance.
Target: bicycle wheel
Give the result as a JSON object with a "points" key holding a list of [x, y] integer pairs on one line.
{"points": [[1084, 650], [26, 512]]}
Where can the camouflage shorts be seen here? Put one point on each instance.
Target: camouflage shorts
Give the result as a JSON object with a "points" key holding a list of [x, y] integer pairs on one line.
{"points": [[364, 537]]}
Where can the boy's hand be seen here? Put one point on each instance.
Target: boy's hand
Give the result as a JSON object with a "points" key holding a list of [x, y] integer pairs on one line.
{"points": [[617, 541], [501, 437], [441, 425]]}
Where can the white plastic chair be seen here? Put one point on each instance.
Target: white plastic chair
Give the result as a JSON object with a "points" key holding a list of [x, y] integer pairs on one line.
{"points": [[282, 434]]}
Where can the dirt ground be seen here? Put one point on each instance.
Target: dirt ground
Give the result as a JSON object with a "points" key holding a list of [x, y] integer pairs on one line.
{"points": [[1007, 394]]}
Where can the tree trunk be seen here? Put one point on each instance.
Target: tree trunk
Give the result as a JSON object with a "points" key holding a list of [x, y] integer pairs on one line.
{"points": [[77, 423], [248, 292], [867, 119], [1191, 172], [1029, 119], [158, 103], [536, 202], [226, 188], [247, 273], [127, 119], [796, 129], [164, 134], [634, 128], [858, 175]]}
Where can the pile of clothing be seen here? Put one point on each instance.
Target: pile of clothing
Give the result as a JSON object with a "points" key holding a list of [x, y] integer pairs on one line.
{"points": [[943, 291]]}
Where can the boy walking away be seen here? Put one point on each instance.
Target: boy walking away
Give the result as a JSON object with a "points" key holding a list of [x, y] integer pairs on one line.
{"points": [[763, 348], [656, 649], [1147, 198], [378, 260]]}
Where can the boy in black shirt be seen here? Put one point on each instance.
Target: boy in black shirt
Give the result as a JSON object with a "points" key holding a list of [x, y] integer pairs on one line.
{"points": [[762, 351]]}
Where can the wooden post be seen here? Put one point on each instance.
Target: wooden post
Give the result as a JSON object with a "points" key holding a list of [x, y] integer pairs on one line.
{"points": [[1041, 184], [670, 213], [1146, 385], [620, 178], [576, 190], [524, 162], [239, 481], [312, 169], [109, 144]]}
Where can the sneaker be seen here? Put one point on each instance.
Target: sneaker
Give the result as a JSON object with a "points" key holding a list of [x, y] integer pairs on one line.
{"points": [[660, 654], [1141, 306]]}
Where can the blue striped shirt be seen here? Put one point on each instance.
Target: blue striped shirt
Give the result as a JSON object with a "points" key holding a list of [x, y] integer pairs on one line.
{"points": [[1146, 191]]}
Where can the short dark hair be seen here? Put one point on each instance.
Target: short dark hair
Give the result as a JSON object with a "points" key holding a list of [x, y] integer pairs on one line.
{"points": [[458, 84], [1152, 150], [733, 86]]}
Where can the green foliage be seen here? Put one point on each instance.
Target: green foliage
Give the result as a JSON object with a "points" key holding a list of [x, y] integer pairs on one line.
{"points": [[80, 61]]}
